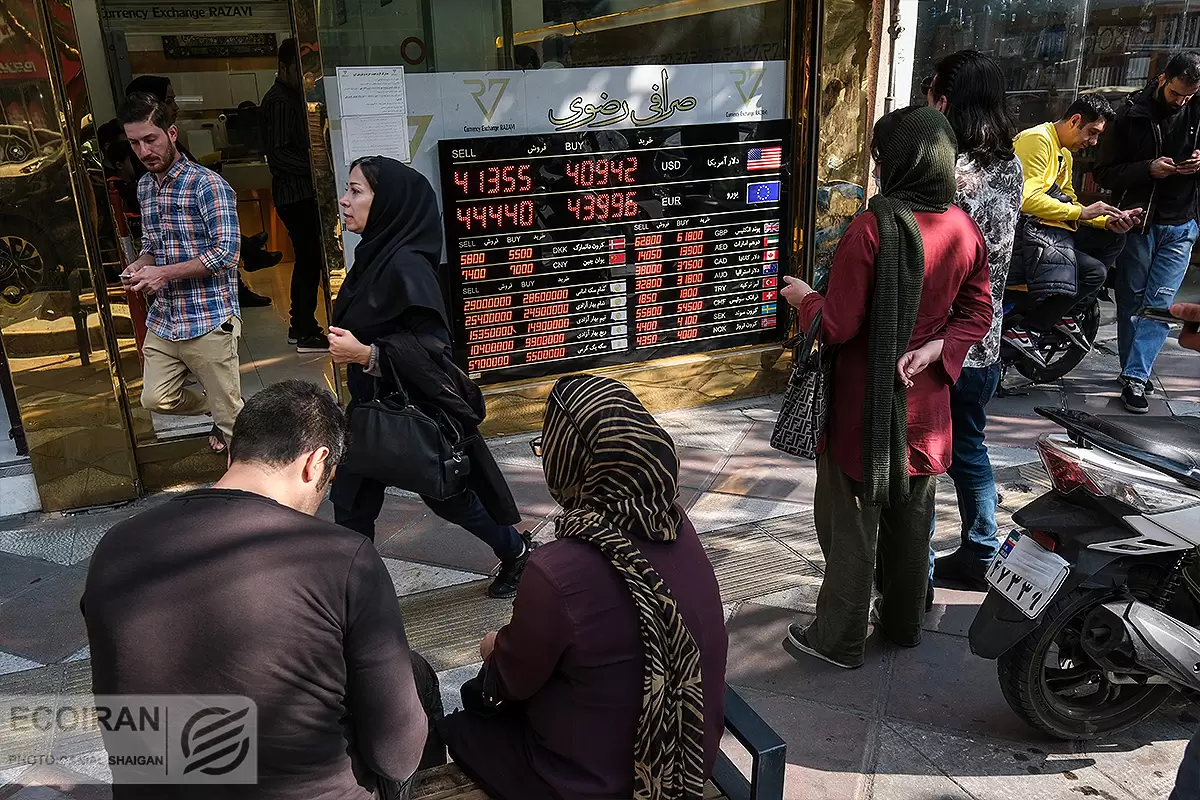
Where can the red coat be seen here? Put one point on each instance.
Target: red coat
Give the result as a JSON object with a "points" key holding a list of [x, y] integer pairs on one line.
{"points": [[956, 280]]}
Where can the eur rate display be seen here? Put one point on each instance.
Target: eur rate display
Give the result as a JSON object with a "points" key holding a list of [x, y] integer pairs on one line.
{"points": [[574, 250]]}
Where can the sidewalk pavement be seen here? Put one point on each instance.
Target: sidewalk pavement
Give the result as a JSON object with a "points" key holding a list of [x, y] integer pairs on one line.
{"points": [[922, 724]]}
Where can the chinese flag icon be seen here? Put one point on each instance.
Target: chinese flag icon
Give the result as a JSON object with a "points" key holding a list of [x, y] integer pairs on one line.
{"points": [[616, 258]]}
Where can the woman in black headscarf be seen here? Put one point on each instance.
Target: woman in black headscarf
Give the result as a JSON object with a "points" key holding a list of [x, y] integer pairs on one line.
{"points": [[390, 308], [615, 656]]}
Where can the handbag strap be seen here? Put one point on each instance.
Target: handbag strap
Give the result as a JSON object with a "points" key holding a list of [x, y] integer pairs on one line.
{"points": [[806, 340], [387, 370]]}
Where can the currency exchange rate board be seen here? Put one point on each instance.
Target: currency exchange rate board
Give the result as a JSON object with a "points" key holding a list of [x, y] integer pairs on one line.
{"points": [[570, 251]]}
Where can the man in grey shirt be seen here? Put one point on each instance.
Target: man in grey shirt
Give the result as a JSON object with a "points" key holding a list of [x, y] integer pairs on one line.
{"points": [[239, 590]]}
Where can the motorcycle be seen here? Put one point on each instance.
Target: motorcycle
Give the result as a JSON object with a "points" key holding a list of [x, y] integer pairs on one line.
{"points": [[1093, 609], [1056, 352]]}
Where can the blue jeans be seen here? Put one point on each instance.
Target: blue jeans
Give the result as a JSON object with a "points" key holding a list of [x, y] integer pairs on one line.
{"points": [[971, 469], [1149, 272]]}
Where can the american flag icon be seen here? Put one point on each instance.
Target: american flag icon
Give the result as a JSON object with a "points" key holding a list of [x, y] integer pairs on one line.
{"points": [[771, 227], [764, 158]]}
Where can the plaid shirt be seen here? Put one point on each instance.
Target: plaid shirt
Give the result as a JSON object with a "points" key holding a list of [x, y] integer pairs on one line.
{"points": [[191, 215]]}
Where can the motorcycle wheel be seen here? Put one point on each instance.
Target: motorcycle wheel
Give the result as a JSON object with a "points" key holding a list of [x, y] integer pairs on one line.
{"points": [[1055, 687], [1068, 358]]}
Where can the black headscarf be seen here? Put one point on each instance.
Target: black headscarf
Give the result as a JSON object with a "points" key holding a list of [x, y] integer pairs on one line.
{"points": [[615, 472], [917, 152], [395, 264]]}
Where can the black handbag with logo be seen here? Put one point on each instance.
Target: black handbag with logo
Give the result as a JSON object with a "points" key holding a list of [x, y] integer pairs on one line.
{"points": [[805, 410], [399, 443]]}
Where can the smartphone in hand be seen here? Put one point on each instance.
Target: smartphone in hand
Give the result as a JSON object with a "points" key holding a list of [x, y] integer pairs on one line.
{"points": [[1159, 315]]}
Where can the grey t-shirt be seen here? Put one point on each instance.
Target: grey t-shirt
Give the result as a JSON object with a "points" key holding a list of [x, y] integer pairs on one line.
{"points": [[992, 199]]}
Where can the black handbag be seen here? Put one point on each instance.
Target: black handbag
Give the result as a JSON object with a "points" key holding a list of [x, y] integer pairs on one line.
{"points": [[398, 443], [805, 410]]}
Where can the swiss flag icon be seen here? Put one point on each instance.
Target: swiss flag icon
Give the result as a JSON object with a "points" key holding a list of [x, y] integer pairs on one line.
{"points": [[769, 296]]}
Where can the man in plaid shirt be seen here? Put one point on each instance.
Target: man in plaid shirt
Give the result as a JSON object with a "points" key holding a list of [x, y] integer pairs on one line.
{"points": [[190, 249]]}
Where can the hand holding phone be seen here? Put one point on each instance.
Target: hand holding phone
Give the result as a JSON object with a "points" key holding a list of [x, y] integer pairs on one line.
{"points": [[1159, 315]]}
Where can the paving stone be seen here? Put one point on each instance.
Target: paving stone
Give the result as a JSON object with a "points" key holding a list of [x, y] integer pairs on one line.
{"points": [[433, 540], [953, 611], [940, 682], [410, 578], [740, 557], [44, 624], [53, 783], [446, 625], [757, 660], [714, 511], [10, 663], [827, 748], [528, 485], [707, 428], [986, 769], [1143, 760], [698, 467], [772, 477], [18, 573], [902, 772], [53, 543], [450, 682]]}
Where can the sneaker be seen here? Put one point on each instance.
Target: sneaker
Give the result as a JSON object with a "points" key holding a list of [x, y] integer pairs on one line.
{"points": [[509, 577], [317, 343], [1069, 328], [1150, 387], [1020, 339], [797, 642], [875, 617], [292, 337], [1134, 397]]}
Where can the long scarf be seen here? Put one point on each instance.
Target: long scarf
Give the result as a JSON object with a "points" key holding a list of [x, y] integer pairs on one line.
{"points": [[916, 158], [615, 472]]}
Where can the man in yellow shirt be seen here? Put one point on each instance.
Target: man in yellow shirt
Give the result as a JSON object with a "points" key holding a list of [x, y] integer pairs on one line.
{"points": [[1064, 249]]}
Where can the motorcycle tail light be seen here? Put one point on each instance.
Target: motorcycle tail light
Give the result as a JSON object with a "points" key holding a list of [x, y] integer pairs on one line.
{"points": [[1044, 539], [1104, 475], [1066, 473]]}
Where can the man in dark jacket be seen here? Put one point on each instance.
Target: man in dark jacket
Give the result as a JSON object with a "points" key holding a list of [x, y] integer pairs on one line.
{"points": [[1151, 159]]}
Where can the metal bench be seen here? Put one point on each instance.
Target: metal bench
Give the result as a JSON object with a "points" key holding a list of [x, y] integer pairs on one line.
{"points": [[768, 755]]}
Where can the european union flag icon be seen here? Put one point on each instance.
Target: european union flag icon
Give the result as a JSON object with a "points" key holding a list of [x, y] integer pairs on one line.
{"points": [[766, 192]]}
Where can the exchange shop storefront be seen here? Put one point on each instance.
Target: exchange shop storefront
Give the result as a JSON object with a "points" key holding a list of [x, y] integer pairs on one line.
{"points": [[623, 184]]}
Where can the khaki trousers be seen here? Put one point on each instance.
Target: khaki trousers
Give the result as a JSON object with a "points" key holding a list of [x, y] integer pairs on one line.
{"points": [[849, 531], [212, 359]]}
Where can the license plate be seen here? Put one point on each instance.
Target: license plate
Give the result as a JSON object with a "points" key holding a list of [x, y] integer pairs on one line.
{"points": [[1027, 574]]}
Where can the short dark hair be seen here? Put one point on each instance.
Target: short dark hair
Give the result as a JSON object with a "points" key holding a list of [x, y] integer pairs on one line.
{"points": [[151, 84], [144, 107], [289, 52], [976, 106], [286, 420], [1091, 107], [1184, 65], [526, 56]]}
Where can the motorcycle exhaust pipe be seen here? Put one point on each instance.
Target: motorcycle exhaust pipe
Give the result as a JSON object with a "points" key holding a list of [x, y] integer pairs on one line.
{"points": [[1155, 642]]}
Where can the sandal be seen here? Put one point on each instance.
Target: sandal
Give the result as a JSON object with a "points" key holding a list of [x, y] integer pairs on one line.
{"points": [[220, 446]]}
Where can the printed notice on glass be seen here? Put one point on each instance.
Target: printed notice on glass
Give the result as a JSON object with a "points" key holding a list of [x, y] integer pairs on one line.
{"points": [[377, 135], [371, 91]]}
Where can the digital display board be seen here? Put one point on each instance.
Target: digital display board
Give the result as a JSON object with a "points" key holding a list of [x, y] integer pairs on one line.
{"points": [[569, 251]]}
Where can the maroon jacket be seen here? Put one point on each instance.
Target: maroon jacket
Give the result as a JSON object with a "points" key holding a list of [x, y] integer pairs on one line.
{"points": [[956, 306]]}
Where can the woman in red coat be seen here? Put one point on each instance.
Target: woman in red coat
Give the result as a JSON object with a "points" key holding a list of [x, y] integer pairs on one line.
{"points": [[908, 295]]}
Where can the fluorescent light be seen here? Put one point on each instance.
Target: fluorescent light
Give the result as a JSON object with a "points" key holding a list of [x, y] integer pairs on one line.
{"points": [[625, 19]]}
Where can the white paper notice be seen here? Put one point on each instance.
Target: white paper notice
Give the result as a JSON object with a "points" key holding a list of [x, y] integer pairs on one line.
{"points": [[369, 91], [376, 136]]}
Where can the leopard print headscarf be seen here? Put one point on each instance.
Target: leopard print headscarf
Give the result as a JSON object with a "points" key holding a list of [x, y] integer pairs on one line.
{"points": [[615, 472]]}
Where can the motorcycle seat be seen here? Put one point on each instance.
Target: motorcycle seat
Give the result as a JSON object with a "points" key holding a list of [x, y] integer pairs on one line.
{"points": [[1174, 438]]}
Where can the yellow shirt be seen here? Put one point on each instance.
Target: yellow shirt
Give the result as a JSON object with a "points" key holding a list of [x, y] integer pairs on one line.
{"points": [[1046, 163]]}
